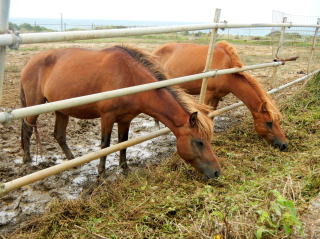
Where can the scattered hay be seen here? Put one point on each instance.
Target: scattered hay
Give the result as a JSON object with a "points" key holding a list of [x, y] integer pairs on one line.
{"points": [[263, 192]]}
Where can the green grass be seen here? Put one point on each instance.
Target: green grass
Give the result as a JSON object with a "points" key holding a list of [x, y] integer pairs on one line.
{"points": [[262, 192], [202, 39], [155, 38]]}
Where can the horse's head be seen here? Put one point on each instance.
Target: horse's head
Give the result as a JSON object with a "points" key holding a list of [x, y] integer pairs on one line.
{"points": [[195, 148], [267, 125]]}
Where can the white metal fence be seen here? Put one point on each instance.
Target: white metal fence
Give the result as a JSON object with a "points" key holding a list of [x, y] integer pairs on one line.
{"points": [[13, 40]]}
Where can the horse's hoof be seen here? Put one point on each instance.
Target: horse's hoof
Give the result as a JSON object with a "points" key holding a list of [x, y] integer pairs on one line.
{"points": [[102, 174], [69, 157], [26, 159], [125, 171]]}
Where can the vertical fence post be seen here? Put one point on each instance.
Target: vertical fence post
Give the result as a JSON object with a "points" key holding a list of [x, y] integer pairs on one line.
{"points": [[313, 45], [61, 22], [277, 52], [210, 55], [4, 17]]}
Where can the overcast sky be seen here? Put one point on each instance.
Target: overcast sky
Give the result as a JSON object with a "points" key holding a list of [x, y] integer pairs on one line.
{"points": [[234, 11]]}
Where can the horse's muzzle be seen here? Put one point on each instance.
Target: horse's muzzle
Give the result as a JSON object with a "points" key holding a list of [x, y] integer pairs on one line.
{"points": [[211, 173], [209, 169], [280, 145]]}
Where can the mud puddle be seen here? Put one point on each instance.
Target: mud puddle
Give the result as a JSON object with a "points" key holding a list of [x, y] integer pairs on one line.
{"points": [[30, 200]]}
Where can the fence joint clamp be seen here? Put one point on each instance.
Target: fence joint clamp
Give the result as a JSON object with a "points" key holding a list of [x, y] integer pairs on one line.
{"points": [[214, 73], [226, 23], [16, 38], [5, 118], [2, 187]]}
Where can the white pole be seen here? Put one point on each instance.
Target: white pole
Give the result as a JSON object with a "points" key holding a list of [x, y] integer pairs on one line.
{"points": [[30, 38], [4, 16], [209, 55], [28, 179], [61, 22], [277, 53], [313, 45]]}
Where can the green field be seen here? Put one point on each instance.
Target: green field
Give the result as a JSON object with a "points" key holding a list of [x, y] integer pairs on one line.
{"points": [[290, 40]]}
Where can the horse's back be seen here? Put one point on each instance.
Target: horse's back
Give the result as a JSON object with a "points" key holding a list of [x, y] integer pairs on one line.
{"points": [[35, 64], [180, 59], [67, 73]]}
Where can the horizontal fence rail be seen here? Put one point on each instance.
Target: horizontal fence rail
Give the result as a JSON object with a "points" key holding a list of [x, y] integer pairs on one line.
{"points": [[28, 179], [19, 182], [6, 117], [14, 39]]}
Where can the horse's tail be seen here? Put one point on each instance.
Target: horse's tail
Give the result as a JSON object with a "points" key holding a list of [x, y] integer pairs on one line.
{"points": [[22, 97]]}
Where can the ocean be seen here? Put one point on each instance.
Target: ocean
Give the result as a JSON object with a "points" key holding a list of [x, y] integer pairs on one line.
{"points": [[55, 24], [89, 24]]}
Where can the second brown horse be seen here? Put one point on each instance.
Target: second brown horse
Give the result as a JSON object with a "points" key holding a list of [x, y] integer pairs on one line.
{"points": [[180, 59], [67, 73]]}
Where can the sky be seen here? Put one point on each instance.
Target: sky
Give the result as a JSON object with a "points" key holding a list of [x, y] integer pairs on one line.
{"points": [[233, 11]]}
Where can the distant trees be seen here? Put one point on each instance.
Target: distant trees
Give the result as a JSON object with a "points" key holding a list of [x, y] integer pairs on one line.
{"points": [[26, 27], [276, 34]]}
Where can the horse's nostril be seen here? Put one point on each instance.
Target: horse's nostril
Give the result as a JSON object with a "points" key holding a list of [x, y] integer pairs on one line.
{"points": [[283, 147], [216, 173]]}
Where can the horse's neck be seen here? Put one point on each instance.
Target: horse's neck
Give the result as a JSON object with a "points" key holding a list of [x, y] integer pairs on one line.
{"points": [[164, 107], [241, 88]]}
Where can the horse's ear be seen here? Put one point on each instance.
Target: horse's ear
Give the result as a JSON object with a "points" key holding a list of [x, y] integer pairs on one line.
{"points": [[193, 119], [264, 107]]}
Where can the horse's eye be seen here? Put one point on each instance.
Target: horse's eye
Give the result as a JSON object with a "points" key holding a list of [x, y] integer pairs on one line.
{"points": [[198, 143], [269, 124]]}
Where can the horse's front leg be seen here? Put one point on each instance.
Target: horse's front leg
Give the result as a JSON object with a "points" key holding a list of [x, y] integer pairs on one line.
{"points": [[212, 100], [106, 130], [123, 133]]}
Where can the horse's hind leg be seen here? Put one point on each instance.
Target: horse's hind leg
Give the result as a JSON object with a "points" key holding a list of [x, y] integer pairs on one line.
{"points": [[28, 123], [60, 133], [26, 133], [123, 133], [106, 130]]}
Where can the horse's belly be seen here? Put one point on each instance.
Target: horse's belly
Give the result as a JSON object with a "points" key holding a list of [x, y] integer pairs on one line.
{"points": [[191, 87], [194, 87], [88, 111]]}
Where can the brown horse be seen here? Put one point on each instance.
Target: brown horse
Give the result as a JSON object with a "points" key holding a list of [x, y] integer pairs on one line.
{"points": [[66, 73], [180, 59]]}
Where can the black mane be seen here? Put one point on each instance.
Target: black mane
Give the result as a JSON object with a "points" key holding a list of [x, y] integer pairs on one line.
{"points": [[145, 59]]}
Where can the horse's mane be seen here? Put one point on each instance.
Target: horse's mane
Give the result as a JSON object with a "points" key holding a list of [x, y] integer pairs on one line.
{"points": [[145, 59], [188, 102], [236, 62]]}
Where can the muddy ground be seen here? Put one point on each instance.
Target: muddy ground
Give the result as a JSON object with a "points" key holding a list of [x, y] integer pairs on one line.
{"points": [[84, 135]]}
